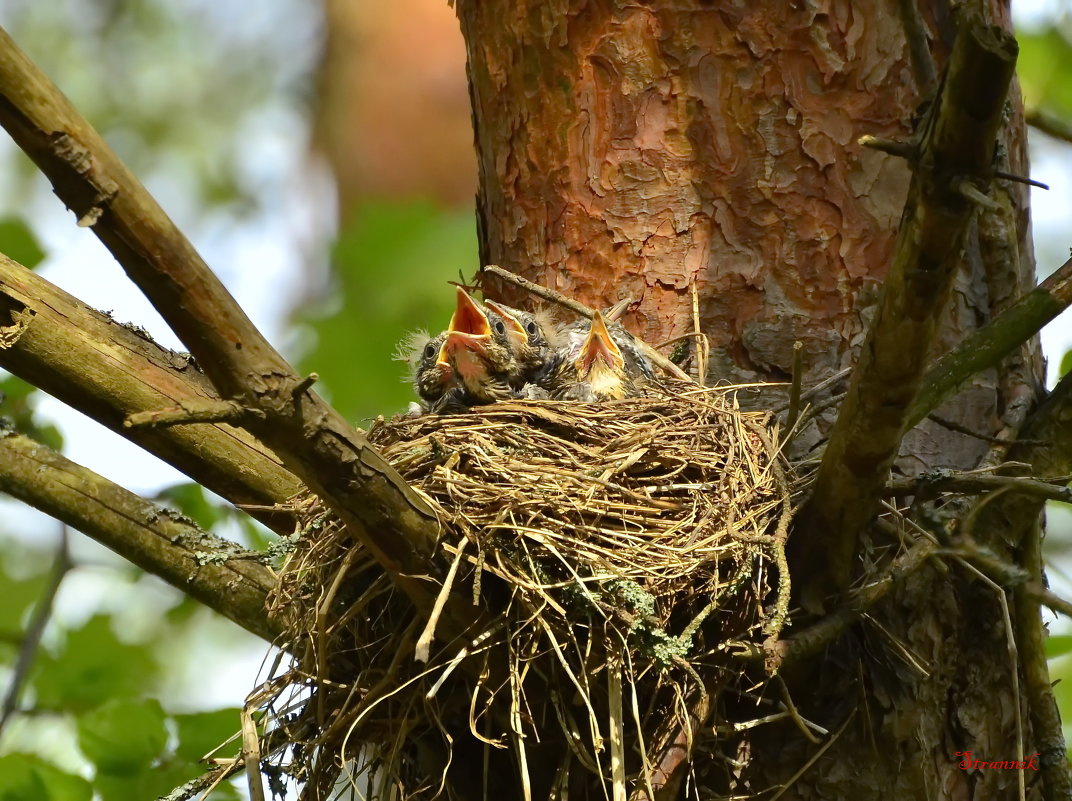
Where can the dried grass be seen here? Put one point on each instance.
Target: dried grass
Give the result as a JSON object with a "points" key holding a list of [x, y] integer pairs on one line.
{"points": [[618, 553]]}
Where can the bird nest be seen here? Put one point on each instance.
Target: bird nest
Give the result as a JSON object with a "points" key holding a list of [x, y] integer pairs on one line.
{"points": [[620, 558]]}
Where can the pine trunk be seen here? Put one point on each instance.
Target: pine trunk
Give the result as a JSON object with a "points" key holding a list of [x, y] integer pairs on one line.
{"points": [[706, 153]]}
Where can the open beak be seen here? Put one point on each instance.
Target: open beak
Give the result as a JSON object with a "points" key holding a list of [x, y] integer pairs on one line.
{"points": [[514, 329], [465, 353], [599, 345], [468, 317], [442, 360]]}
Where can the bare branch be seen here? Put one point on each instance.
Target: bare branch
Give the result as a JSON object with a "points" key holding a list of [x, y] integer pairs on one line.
{"points": [[1042, 706], [970, 484], [813, 639], [918, 46], [313, 440], [210, 411], [998, 338], [35, 628], [1029, 593], [1049, 124], [956, 142], [1046, 445], [108, 371], [203, 566]]}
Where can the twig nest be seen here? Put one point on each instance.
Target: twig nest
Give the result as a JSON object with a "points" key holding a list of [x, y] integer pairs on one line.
{"points": [[640, 539]]}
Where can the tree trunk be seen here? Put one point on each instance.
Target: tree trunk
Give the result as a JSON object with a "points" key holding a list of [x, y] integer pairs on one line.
{"points": [[653, 152]]}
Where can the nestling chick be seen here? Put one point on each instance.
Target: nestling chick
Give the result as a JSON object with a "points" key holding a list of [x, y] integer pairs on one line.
{"points": [[421, 352], [532, 337], [477, 350], [596, 365]]}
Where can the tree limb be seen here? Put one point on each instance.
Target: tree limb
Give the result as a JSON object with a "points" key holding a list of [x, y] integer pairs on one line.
{"points": [[203, 566], [987, 346], [956, 143], [35, 629], [107, 371], [1049, 124], [313, 440]]}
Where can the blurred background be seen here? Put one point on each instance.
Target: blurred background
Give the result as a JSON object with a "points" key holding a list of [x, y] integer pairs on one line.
{"points": [[314, 153]]}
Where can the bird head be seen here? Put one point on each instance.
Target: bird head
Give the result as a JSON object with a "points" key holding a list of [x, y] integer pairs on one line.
{"points": [[519, 333], [528, 336], [430, 376], [601, 363], [477, 350]]}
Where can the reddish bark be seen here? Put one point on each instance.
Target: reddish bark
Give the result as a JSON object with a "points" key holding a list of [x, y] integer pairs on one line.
{"points": [[641, 150]]}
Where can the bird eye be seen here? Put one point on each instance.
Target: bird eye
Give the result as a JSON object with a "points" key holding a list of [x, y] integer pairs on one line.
{"points": [[531, 328], [429, 350], [500, 327]]}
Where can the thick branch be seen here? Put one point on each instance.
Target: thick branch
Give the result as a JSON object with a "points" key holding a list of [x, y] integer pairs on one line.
{"points": [[956, 144], [1046, 444], [312, 439], [201, 565], [108, 371], [997, 339]]}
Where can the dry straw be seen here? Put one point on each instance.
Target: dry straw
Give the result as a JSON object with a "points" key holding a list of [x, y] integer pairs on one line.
{"points": [[618, 553]]}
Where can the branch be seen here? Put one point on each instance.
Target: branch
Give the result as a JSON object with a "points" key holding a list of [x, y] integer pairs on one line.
{"points": [[969, 484], [108, 371], [1029, 591], [314, 441], [35, 629], [991, 343], [956, 143], [1041, 703], [1046, 445], [203, 566], [1049, 124], [919, 48], [810, 641]]}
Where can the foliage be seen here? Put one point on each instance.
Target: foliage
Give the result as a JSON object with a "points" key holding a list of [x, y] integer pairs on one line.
{"points": [[92, 682], [173, 86], [19, 243], [392, 264], [1043, 67]]}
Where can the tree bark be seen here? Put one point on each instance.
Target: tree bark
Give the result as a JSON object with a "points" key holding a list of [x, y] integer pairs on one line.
{"points": [[653, 151]]}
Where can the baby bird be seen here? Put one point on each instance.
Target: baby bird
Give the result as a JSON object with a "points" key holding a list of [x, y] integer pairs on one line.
{"points": [[597, 365], [532, 338], [421, 352], [432, 378], [477, 351]]}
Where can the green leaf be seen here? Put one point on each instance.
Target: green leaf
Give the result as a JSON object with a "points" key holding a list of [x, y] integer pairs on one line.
{"points": [[25, 777], [1066, 363], [258, 536], [122, 738], [19, 779], [92, 667], [190, 499], [1043, 66], [392, 266], [1058, 645], [19, 595], [17, 403], [18, 242], [147, 783], [201, 732]]}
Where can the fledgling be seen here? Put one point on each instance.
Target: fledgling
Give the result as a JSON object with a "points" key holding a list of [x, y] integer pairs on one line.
{"points": [[429, 377], [533, 337], [432, 378], [477, 350], [598, 364]]}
